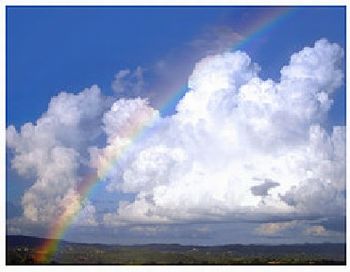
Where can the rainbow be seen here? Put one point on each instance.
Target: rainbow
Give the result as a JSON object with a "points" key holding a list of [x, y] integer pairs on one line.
{"points": [[134, 130]]}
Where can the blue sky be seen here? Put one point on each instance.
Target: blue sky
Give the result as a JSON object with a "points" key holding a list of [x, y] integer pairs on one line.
{"points": [[54, 49]]}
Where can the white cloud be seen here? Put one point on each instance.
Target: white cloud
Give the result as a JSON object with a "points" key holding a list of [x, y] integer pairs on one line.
{"points": [[126, 116], [52, 150], [318, 66], [231, 131]]}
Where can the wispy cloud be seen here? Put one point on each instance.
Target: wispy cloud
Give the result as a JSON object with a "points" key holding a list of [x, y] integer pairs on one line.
{"points": [[128, 83], [275, 228]]}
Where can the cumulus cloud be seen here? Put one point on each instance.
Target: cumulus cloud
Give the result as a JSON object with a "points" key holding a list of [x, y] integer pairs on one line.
{"points": [[231, 131], [238, 147], [53, 150]]}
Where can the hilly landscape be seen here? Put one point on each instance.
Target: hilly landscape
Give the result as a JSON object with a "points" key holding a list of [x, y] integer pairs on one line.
{"points": [[21, 250]]}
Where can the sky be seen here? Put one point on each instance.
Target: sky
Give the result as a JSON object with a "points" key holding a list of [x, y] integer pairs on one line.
{"points": [[203, 125]]}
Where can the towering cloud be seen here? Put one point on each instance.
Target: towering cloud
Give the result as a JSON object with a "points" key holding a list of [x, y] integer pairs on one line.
{"points": [[240, 146]]}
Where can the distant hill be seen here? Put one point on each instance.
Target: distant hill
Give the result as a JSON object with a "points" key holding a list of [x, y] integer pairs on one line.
{"points": [[20, 250], [20, 240]]}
